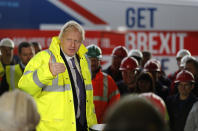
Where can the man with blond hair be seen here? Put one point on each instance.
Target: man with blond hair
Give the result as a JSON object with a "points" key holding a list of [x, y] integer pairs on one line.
{"points": [[60, 81]]}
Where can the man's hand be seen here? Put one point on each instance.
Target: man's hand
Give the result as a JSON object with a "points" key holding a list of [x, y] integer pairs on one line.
{"points": [[56, 68]]}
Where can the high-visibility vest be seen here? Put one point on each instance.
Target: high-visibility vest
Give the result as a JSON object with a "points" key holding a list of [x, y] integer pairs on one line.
{"points": [[105, 93], [53, 94], [13, 75], [1, 72]]}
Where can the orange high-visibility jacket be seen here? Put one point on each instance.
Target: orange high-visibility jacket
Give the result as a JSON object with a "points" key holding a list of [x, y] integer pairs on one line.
{"points": [[105, 93]]}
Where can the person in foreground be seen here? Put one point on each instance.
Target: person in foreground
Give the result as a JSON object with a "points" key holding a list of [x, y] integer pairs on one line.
{"points": [[134, 113], [18, 112], [192, 120], [60, 82]]}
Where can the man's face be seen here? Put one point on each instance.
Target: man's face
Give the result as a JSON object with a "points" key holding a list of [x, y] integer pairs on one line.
{"points": [[116, 61], [191, 68], [7, 55], [184, 88], [71, 41], [95, 64], [128, 76], [155, 75], [26, 54], [144, 85]]}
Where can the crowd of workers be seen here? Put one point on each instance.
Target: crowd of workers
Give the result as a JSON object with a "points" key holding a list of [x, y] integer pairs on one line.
{"points": [[133, 93]]}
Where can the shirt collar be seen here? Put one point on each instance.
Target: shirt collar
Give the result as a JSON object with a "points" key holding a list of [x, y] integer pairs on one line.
{"points": [[22, 65], [66, 56]]}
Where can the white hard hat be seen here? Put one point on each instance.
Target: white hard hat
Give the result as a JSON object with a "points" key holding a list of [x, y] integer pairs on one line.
{"points": [[183, 52], [135, 53], [7, 42], [185, 59]]}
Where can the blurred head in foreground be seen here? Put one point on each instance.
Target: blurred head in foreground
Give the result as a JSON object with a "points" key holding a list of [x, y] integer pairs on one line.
{"points": [[134, 113], [18, 112]]}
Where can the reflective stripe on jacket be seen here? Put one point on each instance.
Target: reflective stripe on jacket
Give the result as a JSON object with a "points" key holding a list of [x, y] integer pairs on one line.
{"points": [[105, 93], [53, 94], [13, 75]]}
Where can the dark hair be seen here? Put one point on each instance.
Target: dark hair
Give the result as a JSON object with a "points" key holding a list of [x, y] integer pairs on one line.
{"points": [[194, 62], [147, 54], [22, 45], [35, 44], [147, 77]]}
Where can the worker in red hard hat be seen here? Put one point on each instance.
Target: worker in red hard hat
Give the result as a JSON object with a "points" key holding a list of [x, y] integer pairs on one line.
{"points": [[188, 63], [153, 67], [180, 63], [118, 54], [161, 83], [180, 104], [128, 68]]}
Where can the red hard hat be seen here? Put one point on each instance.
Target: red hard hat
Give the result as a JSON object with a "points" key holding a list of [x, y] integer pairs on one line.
{"points": [[129, 63], [152, 65], [120, 51], [156, 101], [184, 76]]}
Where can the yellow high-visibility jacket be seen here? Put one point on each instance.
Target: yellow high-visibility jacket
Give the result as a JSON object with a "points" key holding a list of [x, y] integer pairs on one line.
{"points": [[13, 75], [53, 94], [1, 70]]}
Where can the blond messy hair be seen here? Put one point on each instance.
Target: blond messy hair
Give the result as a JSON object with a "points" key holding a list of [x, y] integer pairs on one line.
{"points": [[72, 25]]}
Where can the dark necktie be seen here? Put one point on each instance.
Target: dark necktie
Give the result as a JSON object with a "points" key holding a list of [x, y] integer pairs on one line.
{"points": [[82, 93]]}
